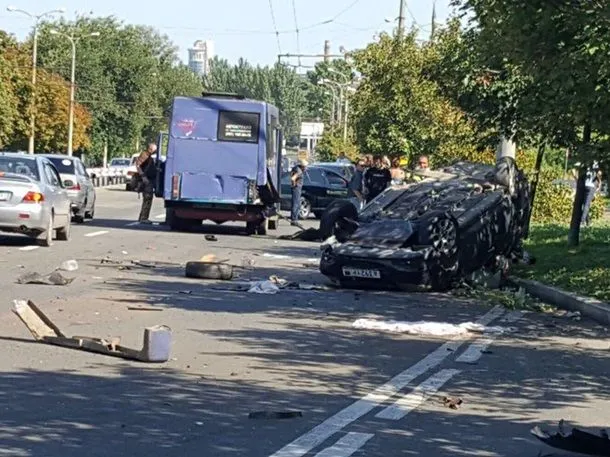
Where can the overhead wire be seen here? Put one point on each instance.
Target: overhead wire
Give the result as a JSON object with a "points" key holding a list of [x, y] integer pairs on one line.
{"points": [[296, 25], [277, 33]]}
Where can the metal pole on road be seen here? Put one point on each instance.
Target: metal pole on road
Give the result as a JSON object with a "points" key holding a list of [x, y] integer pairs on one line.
{"points": [[401, 18], [73, 41], [37, 18]]}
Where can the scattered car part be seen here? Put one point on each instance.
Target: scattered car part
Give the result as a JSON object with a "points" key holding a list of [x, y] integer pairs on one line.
{"points": [[431, 233], [156, 347], [53, 279], [578, 441], [209, 270]]}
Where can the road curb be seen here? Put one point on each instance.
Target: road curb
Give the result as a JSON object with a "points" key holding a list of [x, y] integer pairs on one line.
{"points": [[589, 307]]}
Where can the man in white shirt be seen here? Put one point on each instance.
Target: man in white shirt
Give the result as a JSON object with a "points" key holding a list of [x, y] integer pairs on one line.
{"points": [[593, 182]]}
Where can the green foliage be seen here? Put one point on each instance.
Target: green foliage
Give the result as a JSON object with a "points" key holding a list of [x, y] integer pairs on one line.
{"points": [[400, 111], [583, 270], [554, 195], [278, 85], [126, 77], [332, 145]]}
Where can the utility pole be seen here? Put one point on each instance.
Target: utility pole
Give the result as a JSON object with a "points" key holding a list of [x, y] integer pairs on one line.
{"points": [[326, 50], [401, 18], [433, 30], [73, 40], [37, 18]]}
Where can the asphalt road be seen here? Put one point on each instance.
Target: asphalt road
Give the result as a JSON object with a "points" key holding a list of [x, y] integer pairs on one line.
{"points": [[360, 392]]}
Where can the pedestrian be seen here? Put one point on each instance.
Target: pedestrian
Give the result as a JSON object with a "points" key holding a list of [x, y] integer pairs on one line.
{"points": [[355, 188], [342, 159], [147, 174], [376, 179], [398, 174], [296, 183], [422, 163], [593, 182]]}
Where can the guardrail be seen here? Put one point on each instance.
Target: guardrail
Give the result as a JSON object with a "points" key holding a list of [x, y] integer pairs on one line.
{"points": [[103, 177]]}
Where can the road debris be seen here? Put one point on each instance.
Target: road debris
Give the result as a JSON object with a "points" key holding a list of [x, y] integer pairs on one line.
{"points": [[428, 328], [275, 414], [264, 287], [452, 403], [211, 238], [52, 279], [208, 270], [144, 308], [156, 347], [578, 441], [69, 265]]}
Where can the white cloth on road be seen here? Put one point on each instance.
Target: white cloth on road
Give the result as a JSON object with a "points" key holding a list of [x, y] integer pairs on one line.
{"points": [[426, 328]]}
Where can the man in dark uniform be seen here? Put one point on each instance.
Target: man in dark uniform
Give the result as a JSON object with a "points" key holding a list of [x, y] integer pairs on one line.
{"points": [[147, 172], [296, 183], [377, 178]]}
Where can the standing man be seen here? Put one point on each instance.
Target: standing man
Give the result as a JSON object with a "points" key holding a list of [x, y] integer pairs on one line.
{"points": [[355, 188], [147, 174], [296, 183], [343, 159], [422, 163], [593, 183], [376, 179]]}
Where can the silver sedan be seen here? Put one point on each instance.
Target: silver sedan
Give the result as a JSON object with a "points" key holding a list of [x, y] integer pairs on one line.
{"points": [[33, 200]]}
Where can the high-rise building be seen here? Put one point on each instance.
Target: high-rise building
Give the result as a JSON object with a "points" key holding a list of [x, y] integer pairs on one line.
{"points": [[200, 55]]}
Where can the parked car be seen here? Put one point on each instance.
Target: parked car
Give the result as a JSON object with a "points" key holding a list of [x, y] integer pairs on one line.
{"points": [[320, 188], [120, 164], [77, 182], [33, 200], [346, 170]]}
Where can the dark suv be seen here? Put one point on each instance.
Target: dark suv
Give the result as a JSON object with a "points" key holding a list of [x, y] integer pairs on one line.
{"points": [[320, 188]]}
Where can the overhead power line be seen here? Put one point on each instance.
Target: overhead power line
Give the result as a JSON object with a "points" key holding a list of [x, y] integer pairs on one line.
{"points": [[296, 26], [277, 33]]}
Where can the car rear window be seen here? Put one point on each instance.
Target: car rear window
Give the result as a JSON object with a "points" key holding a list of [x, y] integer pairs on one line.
{"points": [[19, 166], [119, 163], [63, 166]]}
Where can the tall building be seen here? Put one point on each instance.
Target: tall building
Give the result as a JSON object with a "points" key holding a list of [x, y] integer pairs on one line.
{"points": [[200, 55]]}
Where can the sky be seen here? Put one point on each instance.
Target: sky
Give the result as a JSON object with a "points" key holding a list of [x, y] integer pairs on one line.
{"points": [[245, 28]]}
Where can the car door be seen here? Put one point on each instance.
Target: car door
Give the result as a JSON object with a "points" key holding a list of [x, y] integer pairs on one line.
{"points": [[85, 182], [314, 187], [337, 187], [57, 196]]}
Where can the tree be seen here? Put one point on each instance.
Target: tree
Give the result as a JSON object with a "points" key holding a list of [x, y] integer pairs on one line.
{"points": [[278, 85], [51, 107], [563, 46], [399, 110]]}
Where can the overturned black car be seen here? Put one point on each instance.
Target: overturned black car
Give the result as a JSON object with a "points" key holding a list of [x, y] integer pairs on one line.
{"points": [[431, 233]]}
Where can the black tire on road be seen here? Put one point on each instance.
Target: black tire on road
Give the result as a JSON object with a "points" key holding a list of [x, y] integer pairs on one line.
{"points": [[207, 270], [90, 214]]}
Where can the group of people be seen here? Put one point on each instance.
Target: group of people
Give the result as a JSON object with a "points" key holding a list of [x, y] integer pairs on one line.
{"points": [[374, 174]]}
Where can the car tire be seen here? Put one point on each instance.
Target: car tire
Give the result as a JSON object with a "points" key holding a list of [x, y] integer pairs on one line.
{"points": [[251, 228], [63, 233], [206, 270], [262, 227], [305, 209], [78, 218], [45, 239], [175, 223]]}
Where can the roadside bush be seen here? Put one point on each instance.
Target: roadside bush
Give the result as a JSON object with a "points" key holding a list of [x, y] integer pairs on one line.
{"points": [[554, 196], [331, 145]]}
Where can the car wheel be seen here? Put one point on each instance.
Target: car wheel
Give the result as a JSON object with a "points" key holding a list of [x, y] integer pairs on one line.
{"points": [[336, 220], [305, 210], [251, 228], [45, 239], [261, 227], [63, 233]]}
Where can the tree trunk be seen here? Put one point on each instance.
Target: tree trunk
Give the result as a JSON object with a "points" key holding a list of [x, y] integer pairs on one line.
{"points": [[579, 199], [537, 168]]}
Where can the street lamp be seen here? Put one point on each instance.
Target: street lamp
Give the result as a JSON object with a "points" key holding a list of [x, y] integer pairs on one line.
{"points": [[73, 40], [37, 18], [335, 115]]}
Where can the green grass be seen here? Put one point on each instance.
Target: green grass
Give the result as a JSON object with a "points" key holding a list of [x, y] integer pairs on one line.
{"points": [[584, 270]]}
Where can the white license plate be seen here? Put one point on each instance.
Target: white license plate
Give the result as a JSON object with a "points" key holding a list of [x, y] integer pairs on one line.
{"points": [[360, 273], [4, 196]]}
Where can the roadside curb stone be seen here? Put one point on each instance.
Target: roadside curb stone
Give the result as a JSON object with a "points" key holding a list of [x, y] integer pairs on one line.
{"points": [[589, 307]]}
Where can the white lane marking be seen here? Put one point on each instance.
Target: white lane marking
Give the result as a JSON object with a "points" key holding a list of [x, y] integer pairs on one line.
{"points": [[420, 394], [28, 248], [474, 352], [92, 234], [320, 433], [347, 445]]}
